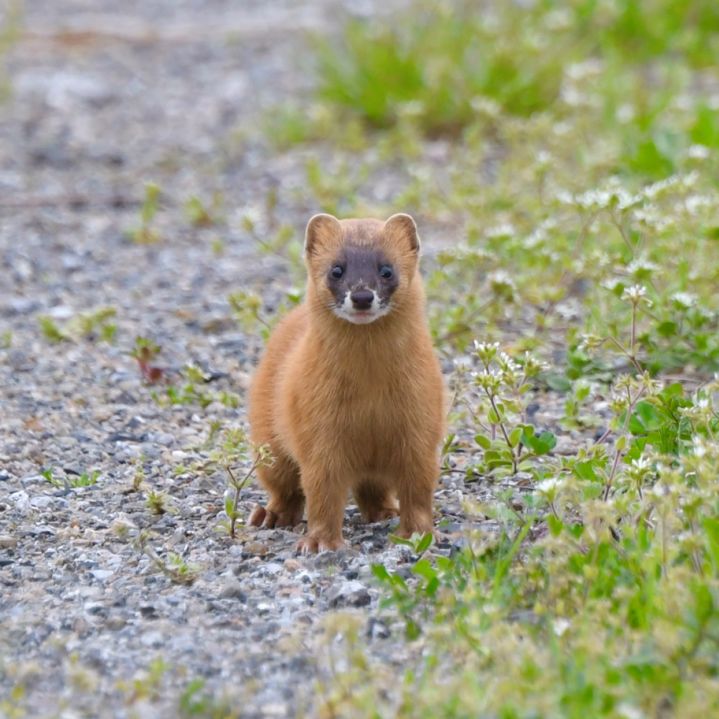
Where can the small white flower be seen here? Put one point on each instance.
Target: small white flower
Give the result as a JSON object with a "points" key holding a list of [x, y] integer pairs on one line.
{"points": [[625, 113], [700, 448], [642, 464], [684, 300], [549, 485], [636, 294], [628, 711], [696, 202], [698, 152], [503, 230]]}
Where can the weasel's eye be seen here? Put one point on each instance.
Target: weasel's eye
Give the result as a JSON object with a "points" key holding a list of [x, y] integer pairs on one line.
{"points": [[385, 272], [337, 271]]}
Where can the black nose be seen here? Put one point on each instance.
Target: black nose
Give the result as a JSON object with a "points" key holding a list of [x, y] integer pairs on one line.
{"points": [[362, 299]]}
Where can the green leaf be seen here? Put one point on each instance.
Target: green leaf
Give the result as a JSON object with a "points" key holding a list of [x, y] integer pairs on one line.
{"points": [[424, 568], [586, 471], [703, 601], [380, 571], [555, 525], [514, 436], [425, 543], [541, 443]]}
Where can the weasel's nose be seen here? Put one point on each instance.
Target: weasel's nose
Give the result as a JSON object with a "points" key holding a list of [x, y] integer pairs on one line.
{"points": [[362, 299]]}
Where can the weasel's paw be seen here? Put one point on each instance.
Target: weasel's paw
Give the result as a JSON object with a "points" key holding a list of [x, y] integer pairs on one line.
{"points": [[269, 519], [379, 514], [420, 528], [312, 544]]}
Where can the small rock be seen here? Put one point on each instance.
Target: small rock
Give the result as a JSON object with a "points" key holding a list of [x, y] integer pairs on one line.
{"points": [[148, 611], [152, 639], [377, 629], [21, 500], [233, 590], [115, 622], [349, 594], [102, 574], [42, 502], [271, 569], [255, 549]]}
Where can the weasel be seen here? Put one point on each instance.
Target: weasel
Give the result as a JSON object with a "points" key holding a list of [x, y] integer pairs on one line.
{"points": [[349, 394]]}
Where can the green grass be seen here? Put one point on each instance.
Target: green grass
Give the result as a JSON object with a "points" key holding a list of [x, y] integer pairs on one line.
{"points": [[439, 61]]}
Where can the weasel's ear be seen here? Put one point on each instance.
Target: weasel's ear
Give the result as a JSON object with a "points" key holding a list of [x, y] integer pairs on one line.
{"points": [[403, 230], [320, 229]]}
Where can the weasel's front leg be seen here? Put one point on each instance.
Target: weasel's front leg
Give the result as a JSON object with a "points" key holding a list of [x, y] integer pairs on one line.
{"points": [[326, 494], [415, 488]]}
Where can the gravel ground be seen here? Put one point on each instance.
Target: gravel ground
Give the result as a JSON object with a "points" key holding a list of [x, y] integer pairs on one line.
{"points": [[104, 100]]}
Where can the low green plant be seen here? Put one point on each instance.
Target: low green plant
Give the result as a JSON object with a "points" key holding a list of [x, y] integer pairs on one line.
{"points": [[156, 502], [144, 353], [72, 481], [599, 598], [174, 566], [147, 686], [249, 310], [233, 453], [202, 214], [96, 325], [194, 702], [508, 441], [145, 232], [191, 390]]}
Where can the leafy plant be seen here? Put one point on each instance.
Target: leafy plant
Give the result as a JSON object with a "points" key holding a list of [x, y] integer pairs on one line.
{"points": [[174, 567], [95, 325], [72, 481], [508, 441], [145, 352]]}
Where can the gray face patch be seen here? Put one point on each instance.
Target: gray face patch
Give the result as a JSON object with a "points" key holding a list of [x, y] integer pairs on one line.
{"points": [[362, 281]]}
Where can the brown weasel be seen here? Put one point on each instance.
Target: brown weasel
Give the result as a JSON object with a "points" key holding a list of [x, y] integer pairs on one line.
{"points": [[349, 394]]}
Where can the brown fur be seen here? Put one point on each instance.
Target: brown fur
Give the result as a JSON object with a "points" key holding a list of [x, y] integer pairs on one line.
{"points": [[348, 407]]}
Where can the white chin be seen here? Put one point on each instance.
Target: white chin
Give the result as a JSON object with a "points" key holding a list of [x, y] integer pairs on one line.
{"points": [[360, 318]]}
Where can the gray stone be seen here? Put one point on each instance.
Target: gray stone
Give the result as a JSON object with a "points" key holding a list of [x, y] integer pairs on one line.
{"points": [[349, 594]]}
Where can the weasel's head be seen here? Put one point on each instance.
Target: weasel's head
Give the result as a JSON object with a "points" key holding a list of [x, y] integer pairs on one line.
{"points": [[360, 270]]}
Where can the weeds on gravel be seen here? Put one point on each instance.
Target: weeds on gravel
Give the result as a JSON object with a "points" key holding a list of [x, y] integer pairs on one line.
{"points": [[191, 390], [86, 479], [194, 702], [145, 352], [156, 502], [145, 232], [11, 705], [93, 326], [201, 214], [147, 685], [174, 567], [10, 28], [249, 311], [234, 454]]}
